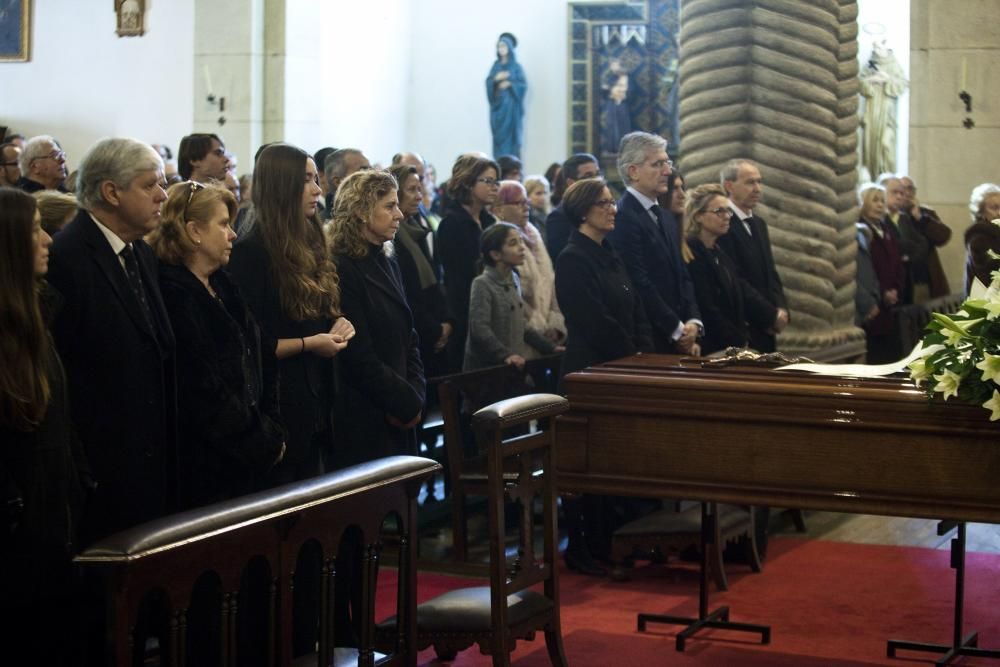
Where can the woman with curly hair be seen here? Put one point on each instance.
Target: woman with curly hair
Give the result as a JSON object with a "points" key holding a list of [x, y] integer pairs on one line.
{"points": [[383, 377], [284, 271]]}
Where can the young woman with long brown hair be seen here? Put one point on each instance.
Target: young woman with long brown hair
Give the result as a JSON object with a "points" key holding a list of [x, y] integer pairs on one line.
{"points": [[38, 469], [284, 270]]}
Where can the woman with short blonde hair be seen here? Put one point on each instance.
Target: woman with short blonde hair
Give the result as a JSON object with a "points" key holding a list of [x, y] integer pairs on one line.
{"points": [[57, 209]]}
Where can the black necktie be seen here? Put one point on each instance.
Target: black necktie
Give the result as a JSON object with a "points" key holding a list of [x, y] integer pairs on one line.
{"points": [[664, 224], [135, 282]]}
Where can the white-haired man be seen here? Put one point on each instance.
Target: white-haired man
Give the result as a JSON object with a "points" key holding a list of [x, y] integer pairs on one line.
{"points": [[43, 165]]}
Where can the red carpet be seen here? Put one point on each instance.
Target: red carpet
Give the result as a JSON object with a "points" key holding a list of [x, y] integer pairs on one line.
{"points": [[828, 603]]}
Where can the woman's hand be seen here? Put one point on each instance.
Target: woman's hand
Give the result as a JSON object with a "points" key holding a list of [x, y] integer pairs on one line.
{"points": [[326, 344], [872, 313], [501, 76], [343, 328], [890, 297], [503, 85], [446, 330], [515, 360]]}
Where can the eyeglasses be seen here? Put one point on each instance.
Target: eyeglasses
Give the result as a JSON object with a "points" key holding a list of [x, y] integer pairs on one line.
{"points": [[58, 156], [8, 164], [721, 212], [606, 204], [488, 182], [517, 202], [660, 164]]}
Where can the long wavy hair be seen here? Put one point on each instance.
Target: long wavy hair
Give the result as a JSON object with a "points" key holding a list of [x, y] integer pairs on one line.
{"points": [[24, 385], [301, 265], [353, 208]]}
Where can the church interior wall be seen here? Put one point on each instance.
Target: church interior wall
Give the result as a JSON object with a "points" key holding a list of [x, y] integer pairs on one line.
{"points": [[947, 160], [146, 81]]}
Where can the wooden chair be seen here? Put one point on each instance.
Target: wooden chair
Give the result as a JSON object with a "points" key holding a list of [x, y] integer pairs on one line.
{"points": [[465, 463], [671, 531], [521, 469]]}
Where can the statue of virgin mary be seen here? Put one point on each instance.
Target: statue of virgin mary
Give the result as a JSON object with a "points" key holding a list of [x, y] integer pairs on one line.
{"points": [[505, 88]]}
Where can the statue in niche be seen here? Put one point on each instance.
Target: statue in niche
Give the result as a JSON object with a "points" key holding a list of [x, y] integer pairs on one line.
{"points": [[616, 118], [130, 18], [505, 88], [882, 82]]}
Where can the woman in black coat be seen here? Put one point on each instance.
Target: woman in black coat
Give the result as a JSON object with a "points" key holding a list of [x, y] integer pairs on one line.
{"points": [[284, 271], [382, 395], [473, 187], [424, 292], [229, 423], [725, 299], [605, 319], [41, 463]]}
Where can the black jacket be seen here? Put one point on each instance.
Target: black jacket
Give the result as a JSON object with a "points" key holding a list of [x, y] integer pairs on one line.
{"points": [[229, 423], [120, 373], [557, 231], [381, 372], [652, 257], [725, 299], [605, 319], [755, 262], [306, 380]]}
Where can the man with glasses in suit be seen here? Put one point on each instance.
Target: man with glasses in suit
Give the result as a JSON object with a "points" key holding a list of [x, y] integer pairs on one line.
{"points": [[646, 238], [10, 171]]}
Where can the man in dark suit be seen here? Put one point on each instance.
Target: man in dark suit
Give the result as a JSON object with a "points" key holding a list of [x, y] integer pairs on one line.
{"points": [[749, 246], [557, 227], [646, 238], [43, 165], [114, 336]]}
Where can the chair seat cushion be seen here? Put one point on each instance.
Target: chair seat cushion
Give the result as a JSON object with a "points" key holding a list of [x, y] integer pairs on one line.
{"points": [[669, 522], [468, 610]]}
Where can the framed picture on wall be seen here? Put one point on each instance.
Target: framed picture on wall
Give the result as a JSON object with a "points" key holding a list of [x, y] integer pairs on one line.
{"points": [[15, 28], [131, 17]]}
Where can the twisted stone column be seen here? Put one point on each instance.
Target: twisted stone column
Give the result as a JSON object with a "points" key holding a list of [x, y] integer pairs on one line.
{"points": [[775, 81]]}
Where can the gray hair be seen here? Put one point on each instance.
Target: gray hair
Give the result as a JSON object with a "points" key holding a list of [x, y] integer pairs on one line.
{"points": [[731, 170], [118, 160], [979, 193], [864, 188], [334, 166], [634, 149], [885, 177], [35, 148]]}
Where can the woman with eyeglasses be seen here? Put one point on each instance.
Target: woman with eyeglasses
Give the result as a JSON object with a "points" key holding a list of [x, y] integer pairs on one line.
{"points": [[229, 422], [472, 189], [537, 277], [285, 272], [725, 299]]}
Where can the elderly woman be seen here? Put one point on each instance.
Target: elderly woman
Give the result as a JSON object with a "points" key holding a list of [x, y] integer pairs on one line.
{"points": [[881, 277], [285, 273], [538, 280], [384, 383], [57, 209], [472, 189], [982, 236], [424, 292], [227, 389], [39, 472], [725, 299]]}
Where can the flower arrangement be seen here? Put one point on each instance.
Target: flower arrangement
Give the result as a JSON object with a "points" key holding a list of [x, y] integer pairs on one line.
{"points": [[960, 354]]}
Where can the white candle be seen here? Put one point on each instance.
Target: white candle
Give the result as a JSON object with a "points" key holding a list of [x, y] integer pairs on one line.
{"points": [[965, 73], [208, 80]]}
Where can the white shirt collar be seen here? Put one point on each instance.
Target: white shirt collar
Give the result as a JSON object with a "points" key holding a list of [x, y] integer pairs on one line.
{"points": [[646, 202], [740, 213]]}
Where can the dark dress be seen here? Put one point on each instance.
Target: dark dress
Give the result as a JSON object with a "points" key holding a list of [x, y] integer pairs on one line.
{"points": [[305, 380], [726, 301], [458, 248], [228, 419], [424, 293], [883, 341], [557, 230], [381, 373], [605, 319], [42, 468]]}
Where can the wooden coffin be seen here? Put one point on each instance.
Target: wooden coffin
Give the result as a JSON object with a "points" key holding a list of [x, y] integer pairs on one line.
{"points": [[663, 426]]}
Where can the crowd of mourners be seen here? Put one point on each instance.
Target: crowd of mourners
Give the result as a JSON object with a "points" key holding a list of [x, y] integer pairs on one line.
{"points": [[175, 335]]}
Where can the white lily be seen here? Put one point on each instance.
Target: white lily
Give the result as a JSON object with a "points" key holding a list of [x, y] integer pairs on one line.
{"points": [[990, 366], [993, 405], [947, 384]]}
